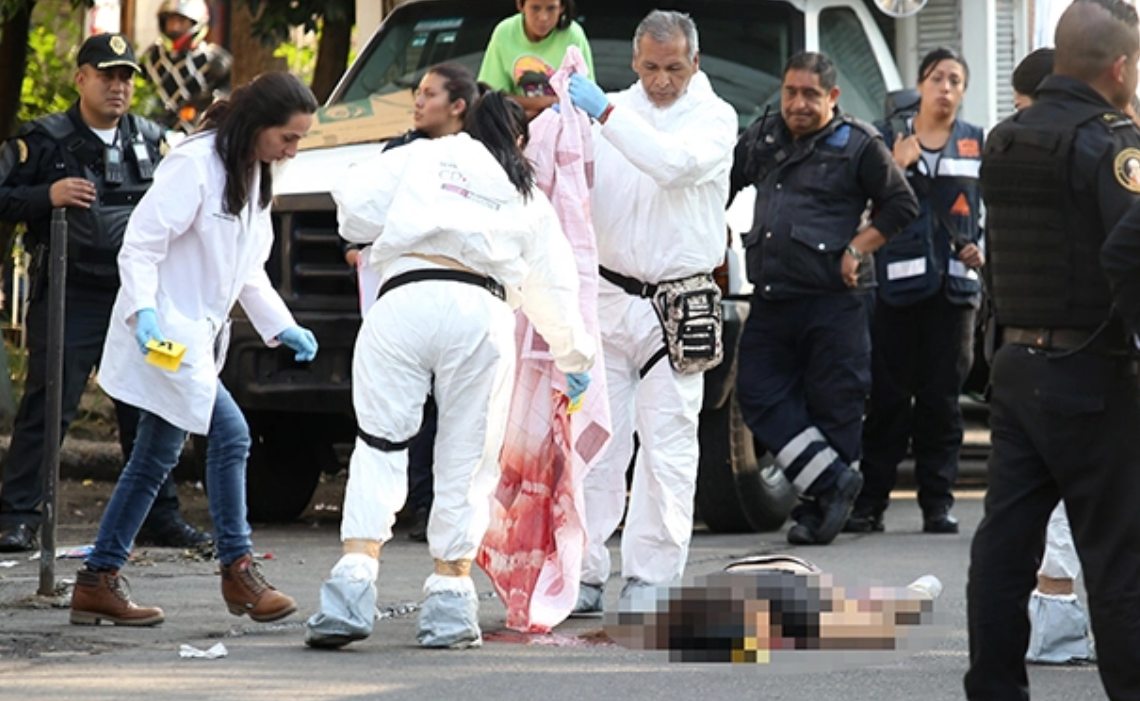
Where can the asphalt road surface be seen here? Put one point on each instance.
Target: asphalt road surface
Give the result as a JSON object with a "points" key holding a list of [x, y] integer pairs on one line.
{"points": [[43, 657]]}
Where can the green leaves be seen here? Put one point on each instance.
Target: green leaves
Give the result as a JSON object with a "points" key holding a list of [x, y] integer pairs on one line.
{"points": [[275, 18], [49, 80]]}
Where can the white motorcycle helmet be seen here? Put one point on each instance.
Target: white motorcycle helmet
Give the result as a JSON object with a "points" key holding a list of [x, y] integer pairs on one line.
{"points": [[195, 11]]}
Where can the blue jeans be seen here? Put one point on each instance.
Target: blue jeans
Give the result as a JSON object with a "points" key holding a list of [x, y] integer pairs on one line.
{"points": [[157, 447]]}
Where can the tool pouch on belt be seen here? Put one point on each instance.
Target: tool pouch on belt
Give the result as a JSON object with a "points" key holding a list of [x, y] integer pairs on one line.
{"points": [[690, 315]]}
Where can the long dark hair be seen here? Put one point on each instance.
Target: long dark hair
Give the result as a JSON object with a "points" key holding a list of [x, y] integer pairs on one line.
{"points": [[569, 12], [459, 82], [498, 122], [269, 100]]}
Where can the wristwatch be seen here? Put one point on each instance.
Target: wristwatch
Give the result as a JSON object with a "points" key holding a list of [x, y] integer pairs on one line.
{"points": [[855, 253]]}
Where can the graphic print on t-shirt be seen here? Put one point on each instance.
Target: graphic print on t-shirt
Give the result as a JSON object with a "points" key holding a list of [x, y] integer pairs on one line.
{"points": [[532, 75]]}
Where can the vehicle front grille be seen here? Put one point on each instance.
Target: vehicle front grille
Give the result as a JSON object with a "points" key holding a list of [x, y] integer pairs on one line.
{"points": [[307, 265]]}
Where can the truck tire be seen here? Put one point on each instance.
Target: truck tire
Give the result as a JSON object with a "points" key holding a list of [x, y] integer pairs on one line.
{"points": [[739, 487], [285, 464]]}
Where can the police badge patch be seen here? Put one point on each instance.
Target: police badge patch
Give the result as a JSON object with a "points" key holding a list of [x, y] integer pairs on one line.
{"points": [[118, 45], [1126, 167]]}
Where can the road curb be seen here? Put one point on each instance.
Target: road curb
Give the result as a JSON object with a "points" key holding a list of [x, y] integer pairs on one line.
{"points": [[101, 461]]}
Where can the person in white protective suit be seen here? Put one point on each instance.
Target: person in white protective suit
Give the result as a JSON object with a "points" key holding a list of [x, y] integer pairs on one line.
{"points": [[663, 156], [460, 236]]}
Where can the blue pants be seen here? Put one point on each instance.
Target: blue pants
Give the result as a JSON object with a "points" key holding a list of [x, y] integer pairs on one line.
{"points": [[157, 447], [803, 379], [88, 314]]}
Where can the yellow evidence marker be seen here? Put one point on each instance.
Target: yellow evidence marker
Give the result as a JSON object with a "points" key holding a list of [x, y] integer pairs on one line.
{"points": [[165, 354]]}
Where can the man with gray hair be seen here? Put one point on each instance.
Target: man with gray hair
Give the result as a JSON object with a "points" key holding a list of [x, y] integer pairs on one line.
{"points": [[663, 152], [1063, 265]]}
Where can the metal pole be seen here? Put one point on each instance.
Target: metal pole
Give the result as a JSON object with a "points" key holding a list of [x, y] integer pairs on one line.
{"points": [[57, 279]]}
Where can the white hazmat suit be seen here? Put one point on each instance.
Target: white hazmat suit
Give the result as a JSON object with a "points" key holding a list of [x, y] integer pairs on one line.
{"points": [[661, 183], [442, 204]]}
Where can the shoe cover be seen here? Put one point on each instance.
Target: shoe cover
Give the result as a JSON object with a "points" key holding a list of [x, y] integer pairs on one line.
{"points": [[348, 603], [638, 597], [1059, 629], [449, 616], [591, 599], [927, 585]]}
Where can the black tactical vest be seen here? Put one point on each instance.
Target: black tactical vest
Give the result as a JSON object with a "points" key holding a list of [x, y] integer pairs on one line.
{"points": [[1042, 247], [95, 235]]}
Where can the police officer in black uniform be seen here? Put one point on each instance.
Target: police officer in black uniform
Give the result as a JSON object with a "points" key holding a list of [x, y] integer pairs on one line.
{"points": [[1065, 410], [97, 161], [805, 352]]}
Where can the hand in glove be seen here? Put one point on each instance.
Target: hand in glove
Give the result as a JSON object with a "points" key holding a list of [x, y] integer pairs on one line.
{"points": [[586, 94], [576, 384], [301, 340], [146, 328]]}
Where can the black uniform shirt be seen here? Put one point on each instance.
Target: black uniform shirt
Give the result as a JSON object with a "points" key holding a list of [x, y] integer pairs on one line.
{"points": [[811, 195], [1103, 183]]}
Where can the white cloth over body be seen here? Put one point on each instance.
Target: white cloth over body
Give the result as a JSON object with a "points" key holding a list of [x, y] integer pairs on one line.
{"points": [[187, 258], [448, 197], [533, 549], [658, 208]]}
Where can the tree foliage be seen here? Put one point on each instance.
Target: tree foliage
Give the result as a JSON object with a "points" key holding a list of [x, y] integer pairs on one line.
{"points": [[332, 19], [16, 29], [49, 83], [274, 19]]}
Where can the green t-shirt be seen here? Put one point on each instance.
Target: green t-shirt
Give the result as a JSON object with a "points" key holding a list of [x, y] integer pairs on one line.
{"points": [[518, 66]]}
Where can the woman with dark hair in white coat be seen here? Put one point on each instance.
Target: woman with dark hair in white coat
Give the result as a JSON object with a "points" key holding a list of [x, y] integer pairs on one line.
{"points": [[460, 236], [196, 244]]}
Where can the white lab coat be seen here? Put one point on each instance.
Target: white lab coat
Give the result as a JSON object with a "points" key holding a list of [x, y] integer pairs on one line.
{"points": [[660, 188], [186, 258]]}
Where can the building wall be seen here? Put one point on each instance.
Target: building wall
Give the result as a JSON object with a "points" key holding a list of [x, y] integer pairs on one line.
{"points": [[998, 37]]}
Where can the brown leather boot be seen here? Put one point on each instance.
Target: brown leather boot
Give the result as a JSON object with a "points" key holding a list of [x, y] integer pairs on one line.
{"points": [[245, 590], [103, 596]]}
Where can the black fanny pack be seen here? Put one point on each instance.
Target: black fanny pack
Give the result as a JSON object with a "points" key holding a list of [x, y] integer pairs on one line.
{"points": [[690, 315]]}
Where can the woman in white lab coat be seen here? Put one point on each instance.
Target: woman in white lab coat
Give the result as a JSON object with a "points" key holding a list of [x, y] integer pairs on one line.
{"points": [[196, 244], [460, 236]]}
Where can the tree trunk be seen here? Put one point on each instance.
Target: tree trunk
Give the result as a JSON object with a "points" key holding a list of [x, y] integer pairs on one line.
{"points": [[251, 57], [332, 57], [13, 64]]}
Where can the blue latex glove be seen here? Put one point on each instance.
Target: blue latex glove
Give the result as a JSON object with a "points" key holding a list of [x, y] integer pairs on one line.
{"points": [[576, 384], [586, 94], [146, 328], [301, 340]]}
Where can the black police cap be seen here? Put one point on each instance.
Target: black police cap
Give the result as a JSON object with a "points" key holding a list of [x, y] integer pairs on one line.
{"points": [[107, 51]]}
